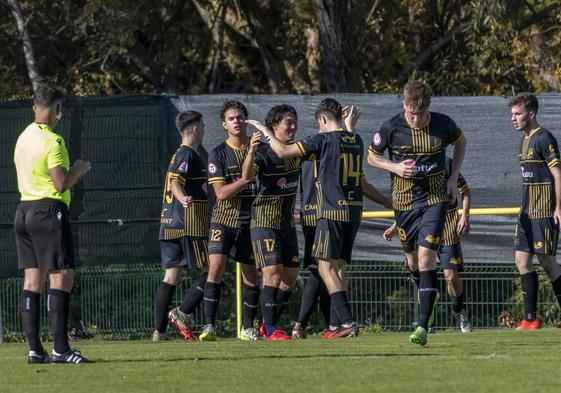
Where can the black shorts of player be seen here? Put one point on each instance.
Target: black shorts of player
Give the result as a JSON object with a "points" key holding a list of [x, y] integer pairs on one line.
{"points": [[536, 236], [275, 247], [309, 237], [186, 251], [222, 239], [335, 239], [43, 236], [451, 258], [421, 227]]}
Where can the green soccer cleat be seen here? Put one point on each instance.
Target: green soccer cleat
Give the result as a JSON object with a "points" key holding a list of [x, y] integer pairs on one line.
{"points": [[208, 334], [419, 336]]}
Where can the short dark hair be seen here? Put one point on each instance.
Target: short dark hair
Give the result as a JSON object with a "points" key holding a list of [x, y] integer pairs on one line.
{"points": [[331, 108], [231, 104], [46, 96], [417, 95], [186, 118], [277, 113], [528, 101]]}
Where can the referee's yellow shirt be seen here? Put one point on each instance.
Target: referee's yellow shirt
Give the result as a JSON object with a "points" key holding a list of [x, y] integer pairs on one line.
{"points": [[39, 149]]}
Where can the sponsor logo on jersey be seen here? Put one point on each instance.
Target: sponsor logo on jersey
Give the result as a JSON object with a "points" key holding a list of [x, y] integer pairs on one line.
{"points": [[425, 169], [377, 139], [526, 174], [285, 185]]}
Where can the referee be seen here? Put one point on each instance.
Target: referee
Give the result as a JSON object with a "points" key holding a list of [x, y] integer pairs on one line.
{"points": [[43, 238]]}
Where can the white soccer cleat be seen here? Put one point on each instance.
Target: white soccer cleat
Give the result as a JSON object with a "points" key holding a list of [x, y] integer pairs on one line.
{"points": [[463, 322]]}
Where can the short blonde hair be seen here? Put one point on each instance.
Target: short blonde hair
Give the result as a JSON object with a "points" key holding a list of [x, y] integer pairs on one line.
{"points": [[417, 94]]}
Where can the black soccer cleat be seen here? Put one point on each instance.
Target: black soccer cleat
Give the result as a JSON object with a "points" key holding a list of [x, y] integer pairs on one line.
{"points": [[71, 356], [35, 358]]}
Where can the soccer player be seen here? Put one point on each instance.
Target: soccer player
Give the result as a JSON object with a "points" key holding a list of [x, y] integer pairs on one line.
{"points": [[339, 154], [43, 237], [230, 222], [315, 291], [183, 227], [273, 233], [450, 252], [537, 230], [416, 140]]}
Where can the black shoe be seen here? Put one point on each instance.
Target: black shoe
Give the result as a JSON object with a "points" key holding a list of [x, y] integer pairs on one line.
{"points": [[35, 358], [72, 356]]}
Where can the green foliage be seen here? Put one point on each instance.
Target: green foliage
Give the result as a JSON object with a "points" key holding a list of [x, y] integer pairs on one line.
{"points": [[260, 46]]}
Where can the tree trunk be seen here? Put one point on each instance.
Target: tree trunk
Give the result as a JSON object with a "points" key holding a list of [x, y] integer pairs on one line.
{"points": [[339, 65], [32, 71]]}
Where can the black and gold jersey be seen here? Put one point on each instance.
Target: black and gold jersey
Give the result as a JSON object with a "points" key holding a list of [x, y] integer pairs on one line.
{"points": [[277, 184], [450, 234], [188, 168], [427, 146], [308, 192], [339, 192], [538, 153], [225, 166]]}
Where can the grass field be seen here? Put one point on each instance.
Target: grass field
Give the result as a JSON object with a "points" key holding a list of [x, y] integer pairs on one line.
{"points": [[483, 361]]}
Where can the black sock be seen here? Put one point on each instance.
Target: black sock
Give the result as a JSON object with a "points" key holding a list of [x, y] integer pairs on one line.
{"points": [[309, 298], [529, 284], [31, 319], [341, 307], [250, 299], [195, 295], [334, 321], [415, 276], [269, 305], [457, 303], [282, 302], [211, 300], [557, 288], [427, 295], [162, 300], [57, 303]]}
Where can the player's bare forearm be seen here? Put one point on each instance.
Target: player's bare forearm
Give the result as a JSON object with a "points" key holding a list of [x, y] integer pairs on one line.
{"points": [[281, 149], [177, 189], [227, 191], [248, 170], [374, 195], [458, 158], [466, 201], [405, 169]]}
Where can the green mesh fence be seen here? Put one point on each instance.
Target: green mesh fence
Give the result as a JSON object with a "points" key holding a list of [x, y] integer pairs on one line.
{"points": [[118, 299]]}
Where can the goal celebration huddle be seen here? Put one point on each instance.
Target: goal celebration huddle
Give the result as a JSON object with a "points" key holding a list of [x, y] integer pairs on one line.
{"points": [[239, 204]]}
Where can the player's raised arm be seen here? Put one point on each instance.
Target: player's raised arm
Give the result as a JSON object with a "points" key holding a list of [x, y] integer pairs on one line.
{"points": [[281, 149], [248, 168], [351, 114]]}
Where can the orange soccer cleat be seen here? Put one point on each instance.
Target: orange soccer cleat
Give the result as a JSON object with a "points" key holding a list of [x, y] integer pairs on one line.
{"points": [[529, 325], [278, 335]]}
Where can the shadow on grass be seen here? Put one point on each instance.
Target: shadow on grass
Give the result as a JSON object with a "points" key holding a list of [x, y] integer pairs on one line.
{"points": [[231, 358]]}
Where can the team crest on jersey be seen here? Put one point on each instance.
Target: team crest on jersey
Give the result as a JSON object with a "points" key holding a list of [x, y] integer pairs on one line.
{"points": [[538, 245], [211, 168], [183, 167], [551, 148], [530, 154], [377, 139], [59, 216]]}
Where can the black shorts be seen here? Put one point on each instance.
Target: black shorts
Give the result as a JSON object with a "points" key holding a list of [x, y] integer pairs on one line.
{"points": [[43, 236], [335, 239], [421, 227], [309, 237], [275, 247], [451, 258], [186, 251], [222, 239], [536, 236]]}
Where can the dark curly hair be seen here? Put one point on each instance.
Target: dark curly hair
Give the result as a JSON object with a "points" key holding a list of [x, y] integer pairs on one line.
{"points": [[528, 101]]}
